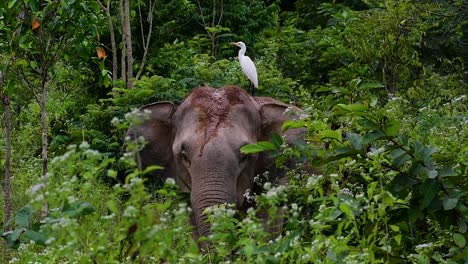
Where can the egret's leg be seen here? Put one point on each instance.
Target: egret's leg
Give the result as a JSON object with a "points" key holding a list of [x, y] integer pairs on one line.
{"points": [[252, 89]]}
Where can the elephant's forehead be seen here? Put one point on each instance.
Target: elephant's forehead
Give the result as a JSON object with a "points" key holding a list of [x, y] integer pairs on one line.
{"points": [[213, 108]]}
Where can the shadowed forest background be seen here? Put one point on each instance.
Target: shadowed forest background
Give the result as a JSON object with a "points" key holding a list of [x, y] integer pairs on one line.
{"points": [[383, 82]]}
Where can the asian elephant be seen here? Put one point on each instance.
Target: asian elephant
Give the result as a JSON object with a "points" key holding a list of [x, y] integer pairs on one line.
{"points": [[198, 142]]}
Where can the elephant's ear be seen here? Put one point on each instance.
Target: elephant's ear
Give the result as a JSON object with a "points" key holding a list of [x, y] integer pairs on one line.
{"points": [[156, 129], [274, 113]]}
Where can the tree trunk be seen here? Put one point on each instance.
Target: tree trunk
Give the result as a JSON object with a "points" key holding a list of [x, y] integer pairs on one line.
{"points": [[44, 119], [128, 43], [115, 67], [7, 191], [123, 62]]}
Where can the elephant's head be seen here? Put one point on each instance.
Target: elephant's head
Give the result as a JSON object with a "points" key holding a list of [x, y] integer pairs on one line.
{"points": [[198, 144]]}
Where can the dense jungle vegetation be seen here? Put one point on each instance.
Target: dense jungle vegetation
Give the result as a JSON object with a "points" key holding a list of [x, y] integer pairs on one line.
{"points": [[383, 82]]}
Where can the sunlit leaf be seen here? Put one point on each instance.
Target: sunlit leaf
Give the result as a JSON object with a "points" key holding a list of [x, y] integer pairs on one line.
{"points": [[290, 124], [101, 53], [397, 238], [35, 24], [392, 127], [369, 86], [353, 107], [257, 147], [11, 3], [330, 134]]}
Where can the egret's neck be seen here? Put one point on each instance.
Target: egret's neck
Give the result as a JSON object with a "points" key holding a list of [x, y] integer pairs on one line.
{"points": [[242, 50]]}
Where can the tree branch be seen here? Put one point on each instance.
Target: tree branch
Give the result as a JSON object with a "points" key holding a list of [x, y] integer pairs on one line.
{"points": [[150, 30]]}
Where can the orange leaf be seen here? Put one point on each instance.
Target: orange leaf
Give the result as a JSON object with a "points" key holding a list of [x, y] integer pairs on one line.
{"points": [[35, 24], [101, 53]]}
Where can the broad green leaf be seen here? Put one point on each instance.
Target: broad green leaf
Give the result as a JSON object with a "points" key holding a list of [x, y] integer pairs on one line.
{"points": [[459, 240], [432, 174], [77, 209], [427, 151], [257, 147], [112, 205], [355, 140], [398, 238], [429, 190], [11, 3], [292, 124], [369, 125], [24, 217], [388, 200], [15, 234], [151, 168], [323, 89], [396, 153], [353, 107], [355, 82], [372, 136], [163, 206], [446, 172], [401, 160], [330, 134], [462, 226], [392, 127], [36, 237], [12, 237], [369, 86], [276, 140], [346, 209], [449, 203], [340, 153]]}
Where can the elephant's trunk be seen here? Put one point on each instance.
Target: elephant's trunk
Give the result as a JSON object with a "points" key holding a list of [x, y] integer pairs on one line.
{"points": [[206, 194]]}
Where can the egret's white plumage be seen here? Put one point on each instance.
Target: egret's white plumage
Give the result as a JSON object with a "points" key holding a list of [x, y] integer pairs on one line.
{"points": [[247, 65]]}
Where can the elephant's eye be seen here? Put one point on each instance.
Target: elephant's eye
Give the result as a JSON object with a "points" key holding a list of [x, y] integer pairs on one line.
{"points": [[244, 158], [184, 157]]}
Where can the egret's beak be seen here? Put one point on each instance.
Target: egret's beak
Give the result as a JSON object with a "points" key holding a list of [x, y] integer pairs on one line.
{"points": [[234, 43]]}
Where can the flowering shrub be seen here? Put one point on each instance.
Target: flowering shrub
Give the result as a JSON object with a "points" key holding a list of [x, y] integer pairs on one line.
{"points": [[378, 197]]}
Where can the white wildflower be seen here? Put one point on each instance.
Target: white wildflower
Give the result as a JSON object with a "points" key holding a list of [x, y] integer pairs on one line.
{"points": [[130, 212], [274, 192], [115, 121], [84, 145], [346, 191], [422, 246], [35, 188], [170, 181]]}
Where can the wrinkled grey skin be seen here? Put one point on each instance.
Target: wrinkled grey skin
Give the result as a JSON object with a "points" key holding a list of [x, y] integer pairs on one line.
{"points": [[198, 144]]}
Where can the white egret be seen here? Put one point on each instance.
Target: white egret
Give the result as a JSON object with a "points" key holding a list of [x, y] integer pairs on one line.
{"points": [[247, 65]]}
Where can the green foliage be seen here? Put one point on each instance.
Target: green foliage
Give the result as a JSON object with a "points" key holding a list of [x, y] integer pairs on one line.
{"points": [[383, 82]]}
